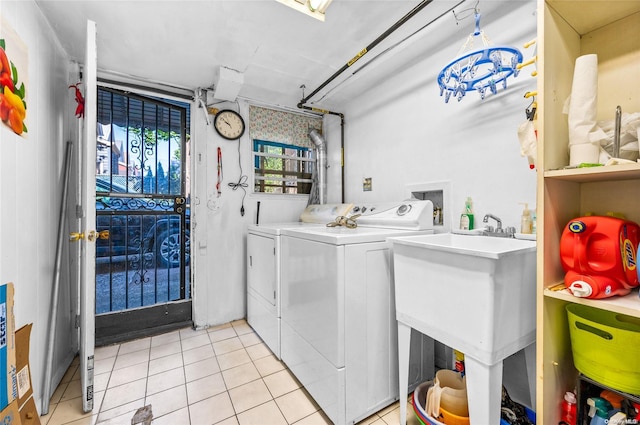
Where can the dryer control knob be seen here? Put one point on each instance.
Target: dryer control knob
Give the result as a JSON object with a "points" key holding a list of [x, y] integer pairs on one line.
{"points": [[403, 209]]}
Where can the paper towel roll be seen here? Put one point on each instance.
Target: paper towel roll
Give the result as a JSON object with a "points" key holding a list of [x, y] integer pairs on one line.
{"points": [[583, 106], [588, 153]]}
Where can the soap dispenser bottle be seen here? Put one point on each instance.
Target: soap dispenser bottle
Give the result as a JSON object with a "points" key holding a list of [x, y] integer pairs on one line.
{"points": [[466, 218], [526, 223]]}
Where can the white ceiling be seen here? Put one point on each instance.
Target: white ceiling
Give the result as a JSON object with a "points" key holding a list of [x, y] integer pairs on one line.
{"points": [[182, 43]]}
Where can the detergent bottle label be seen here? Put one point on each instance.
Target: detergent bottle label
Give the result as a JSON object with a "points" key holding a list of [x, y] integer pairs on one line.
{"points": [[629, 255]]}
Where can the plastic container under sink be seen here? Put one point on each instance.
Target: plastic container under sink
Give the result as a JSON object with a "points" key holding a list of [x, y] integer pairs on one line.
{"points": [[419, 400], [419, 403]]}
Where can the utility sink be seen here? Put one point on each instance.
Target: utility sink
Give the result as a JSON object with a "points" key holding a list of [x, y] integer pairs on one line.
{"points": [[476, 294], [478, 291]]}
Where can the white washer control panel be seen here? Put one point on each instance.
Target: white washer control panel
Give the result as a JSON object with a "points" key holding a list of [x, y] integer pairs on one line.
{"points": [[412, 214]]}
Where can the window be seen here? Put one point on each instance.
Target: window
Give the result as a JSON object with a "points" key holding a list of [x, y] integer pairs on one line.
{"points": [[282, 168], [284, 156]]}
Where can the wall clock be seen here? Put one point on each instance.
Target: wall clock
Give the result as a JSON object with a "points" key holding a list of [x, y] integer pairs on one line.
{"points": [[229, 124]]}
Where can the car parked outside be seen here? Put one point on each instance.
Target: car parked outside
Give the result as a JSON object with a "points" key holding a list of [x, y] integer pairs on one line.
{"points": [[139, 228]]}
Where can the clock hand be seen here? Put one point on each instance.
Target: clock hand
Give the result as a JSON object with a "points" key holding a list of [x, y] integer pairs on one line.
{"points": [[227, 122]]}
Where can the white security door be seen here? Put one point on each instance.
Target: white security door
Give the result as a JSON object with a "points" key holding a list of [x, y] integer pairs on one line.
{"points": [[88, 204]]}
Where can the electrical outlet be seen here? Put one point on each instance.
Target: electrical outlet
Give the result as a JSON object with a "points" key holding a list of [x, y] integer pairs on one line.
{"points": [[366, 184]]}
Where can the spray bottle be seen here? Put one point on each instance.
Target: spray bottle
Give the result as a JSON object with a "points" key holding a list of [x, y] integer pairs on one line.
{"points": [[636, 411], [569, 408], [598, 410], [466, 218]]}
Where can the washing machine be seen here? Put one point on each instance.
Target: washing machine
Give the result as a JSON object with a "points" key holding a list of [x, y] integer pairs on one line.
{"points": [[338, 322], [263, 269]]}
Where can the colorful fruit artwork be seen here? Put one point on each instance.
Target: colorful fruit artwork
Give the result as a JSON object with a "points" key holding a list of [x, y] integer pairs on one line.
{"points": [[13, 108]]}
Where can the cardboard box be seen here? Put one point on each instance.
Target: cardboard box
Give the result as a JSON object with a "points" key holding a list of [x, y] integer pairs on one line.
{"points": [[23, 374], [29, 413], [8, 388], [27, 406], [10, 414]]}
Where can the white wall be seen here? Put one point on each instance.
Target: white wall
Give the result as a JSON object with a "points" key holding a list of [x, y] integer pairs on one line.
{"points": [[400, 131], [30, 192]]}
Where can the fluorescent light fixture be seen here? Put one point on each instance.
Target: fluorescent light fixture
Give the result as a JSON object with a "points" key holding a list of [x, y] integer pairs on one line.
{"points": [[314, 8]]}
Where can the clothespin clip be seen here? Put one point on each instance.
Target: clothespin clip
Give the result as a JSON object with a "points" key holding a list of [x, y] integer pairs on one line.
{"points": [[533, 59]]}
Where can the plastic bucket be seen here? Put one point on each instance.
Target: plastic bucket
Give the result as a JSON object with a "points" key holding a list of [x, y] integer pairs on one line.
{"points": [[420, 398], [419, 402], [449, 394]]}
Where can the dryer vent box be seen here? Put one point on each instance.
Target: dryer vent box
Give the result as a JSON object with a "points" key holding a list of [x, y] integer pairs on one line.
{"points": [[227, 83]]}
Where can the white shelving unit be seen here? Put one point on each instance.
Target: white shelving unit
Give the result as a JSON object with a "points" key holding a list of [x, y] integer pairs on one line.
{"points": [[568, 29]]}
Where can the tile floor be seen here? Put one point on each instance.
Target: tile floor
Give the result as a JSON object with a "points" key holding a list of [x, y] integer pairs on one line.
{"points": [[223, 375]]}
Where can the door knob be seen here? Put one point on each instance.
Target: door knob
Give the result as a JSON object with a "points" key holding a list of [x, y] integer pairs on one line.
{"points": [[75, 236], [91, 236]]}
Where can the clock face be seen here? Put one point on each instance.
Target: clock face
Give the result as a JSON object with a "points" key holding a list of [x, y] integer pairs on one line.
{"points": [[229, 124]]}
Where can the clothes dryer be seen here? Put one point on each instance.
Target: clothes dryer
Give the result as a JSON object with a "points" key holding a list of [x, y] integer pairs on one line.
{"points": [[263, 269]]}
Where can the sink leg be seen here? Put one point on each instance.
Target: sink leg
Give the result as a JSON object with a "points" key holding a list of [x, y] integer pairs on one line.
{"points": [[484, 391], [404, 348], [530, 362]]}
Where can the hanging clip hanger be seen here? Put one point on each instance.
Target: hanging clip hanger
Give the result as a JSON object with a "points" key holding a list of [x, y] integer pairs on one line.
{"points": [[530, 112]]}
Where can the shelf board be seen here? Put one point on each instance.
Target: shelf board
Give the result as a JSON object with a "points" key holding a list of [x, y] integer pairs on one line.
{"points": [[628, 304], [592, 174], [632, 397]]}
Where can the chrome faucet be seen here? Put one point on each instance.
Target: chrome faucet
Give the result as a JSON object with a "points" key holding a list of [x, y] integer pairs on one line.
{"points": [[509, 232], [498, 221]]}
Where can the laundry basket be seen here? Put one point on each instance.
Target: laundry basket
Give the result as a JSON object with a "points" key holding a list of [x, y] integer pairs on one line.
{"points": [[606, 346]]}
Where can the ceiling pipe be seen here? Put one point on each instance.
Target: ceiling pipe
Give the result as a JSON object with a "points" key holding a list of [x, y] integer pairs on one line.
{"points": [[364, 51], [402, 43], [360, 54]]}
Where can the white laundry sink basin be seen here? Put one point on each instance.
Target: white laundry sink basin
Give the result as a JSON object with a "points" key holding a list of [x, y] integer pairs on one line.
{"points": [[474, 293], [474, 245]]}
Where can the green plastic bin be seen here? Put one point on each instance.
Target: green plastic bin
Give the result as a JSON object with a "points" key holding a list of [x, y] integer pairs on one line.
{"points": [[606, 346]]}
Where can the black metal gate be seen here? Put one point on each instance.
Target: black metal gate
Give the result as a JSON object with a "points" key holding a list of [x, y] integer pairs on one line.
{"points": [[142, 204]]}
